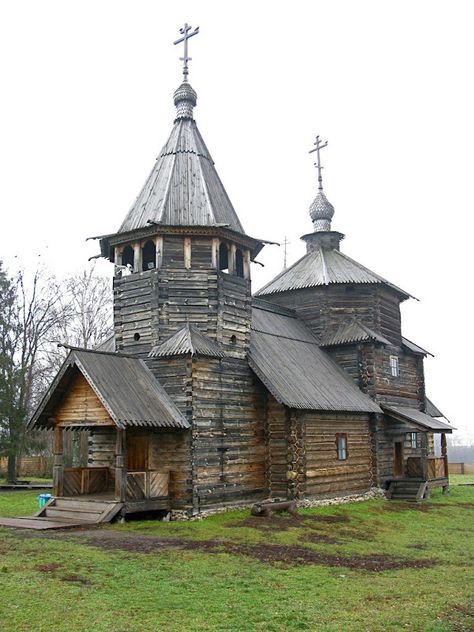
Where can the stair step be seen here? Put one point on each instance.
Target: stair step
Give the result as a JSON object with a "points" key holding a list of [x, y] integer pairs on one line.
{"points": [[90, 505], [404, 497], [68, 514]]}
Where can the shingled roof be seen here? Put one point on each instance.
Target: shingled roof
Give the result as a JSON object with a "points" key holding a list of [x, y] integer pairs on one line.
{"points": [[188, 339], [287, 358], [324, 267], [125, 386], [351, 332]]}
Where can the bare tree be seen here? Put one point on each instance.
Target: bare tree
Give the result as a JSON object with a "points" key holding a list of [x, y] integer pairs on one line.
{"points": [[33, 311]]}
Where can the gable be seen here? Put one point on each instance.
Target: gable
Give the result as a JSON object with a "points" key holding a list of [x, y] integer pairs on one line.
{"points": [[80, 406]]}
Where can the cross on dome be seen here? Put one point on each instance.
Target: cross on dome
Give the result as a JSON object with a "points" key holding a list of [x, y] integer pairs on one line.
{"points": [[186, 36]]}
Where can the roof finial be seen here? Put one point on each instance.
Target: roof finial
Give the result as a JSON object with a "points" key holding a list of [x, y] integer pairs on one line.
{"points": [[186, 35], [321, 210]]}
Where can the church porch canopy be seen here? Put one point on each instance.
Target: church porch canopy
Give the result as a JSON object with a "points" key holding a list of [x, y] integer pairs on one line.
{"points": [[417, 420], [109, 390]]}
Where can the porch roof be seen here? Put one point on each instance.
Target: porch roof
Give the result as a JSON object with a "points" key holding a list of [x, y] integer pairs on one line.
{"points": [[125, 386], [417, 417]]}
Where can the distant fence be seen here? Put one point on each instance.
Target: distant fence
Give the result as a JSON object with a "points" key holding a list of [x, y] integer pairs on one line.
{"points": [[461, 468], [37, 466]]}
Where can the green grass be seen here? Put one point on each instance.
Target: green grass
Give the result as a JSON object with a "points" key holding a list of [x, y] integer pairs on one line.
{"points": [[30, 479], [202, 590]]}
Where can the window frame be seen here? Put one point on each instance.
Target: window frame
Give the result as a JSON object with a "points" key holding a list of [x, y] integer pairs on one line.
{"points": [[345, 450], [413, 440], [394, 363]]}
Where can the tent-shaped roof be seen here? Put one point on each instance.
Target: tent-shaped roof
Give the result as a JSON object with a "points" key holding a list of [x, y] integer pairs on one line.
{"points": [[125, 386], [188, 339], [351, 332], [324, 267], [287, 358]]}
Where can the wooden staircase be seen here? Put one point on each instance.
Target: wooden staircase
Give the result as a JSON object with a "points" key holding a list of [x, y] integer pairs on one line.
{"points": [[78, 511], [410, 489]]}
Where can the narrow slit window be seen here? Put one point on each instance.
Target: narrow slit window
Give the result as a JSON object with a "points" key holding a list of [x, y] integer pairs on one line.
{"points": [[341, 444], [394, 366], [414, 440]]}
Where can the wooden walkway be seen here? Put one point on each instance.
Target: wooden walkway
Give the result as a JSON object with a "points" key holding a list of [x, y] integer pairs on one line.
{"points": [[31, 522]]}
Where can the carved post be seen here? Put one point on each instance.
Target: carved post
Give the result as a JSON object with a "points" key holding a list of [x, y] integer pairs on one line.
{"points": [[120, 469], [424, 455], [118, 255], [58, 466]]}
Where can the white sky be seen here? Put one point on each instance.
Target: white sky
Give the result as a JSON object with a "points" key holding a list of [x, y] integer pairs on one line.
{"points": [[87, 105]]}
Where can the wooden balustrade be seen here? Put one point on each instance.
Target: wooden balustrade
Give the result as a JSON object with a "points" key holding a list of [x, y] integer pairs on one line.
{"points": [[436, 467], [149, 484], [85, 480]]}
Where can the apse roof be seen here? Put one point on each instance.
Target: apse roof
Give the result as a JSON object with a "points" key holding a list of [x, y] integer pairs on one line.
{"points": [[324, 267]]}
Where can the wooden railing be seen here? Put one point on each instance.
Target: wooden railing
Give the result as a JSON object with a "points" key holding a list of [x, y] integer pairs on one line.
{"points": [[150, 484], [435, 467], [85, 480]]}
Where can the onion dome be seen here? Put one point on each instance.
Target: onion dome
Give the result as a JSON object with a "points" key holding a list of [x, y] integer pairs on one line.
{"points": [[321, 212], [185, 100]]}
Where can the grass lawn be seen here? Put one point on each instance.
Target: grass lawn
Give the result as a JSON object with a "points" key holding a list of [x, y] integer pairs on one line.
{"points": [[370, 566]]}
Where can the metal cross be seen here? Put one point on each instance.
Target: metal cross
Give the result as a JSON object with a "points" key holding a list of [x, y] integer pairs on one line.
{"points": [[285, 251], [318, 146], [186, 35]]}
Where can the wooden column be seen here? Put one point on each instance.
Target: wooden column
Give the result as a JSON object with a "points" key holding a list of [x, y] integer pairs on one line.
{"points": [[231, 256], [424, 455], [187, 253], [120, 466], [58, 466], [247, 264], [215, 252], [137, 257], [159, 251], [444, 453], [118, 255]]}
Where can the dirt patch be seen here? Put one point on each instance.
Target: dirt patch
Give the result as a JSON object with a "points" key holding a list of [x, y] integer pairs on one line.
{"points": [[287, 555], [404, 506], [47, 568], [266, 524], [76, 579]]}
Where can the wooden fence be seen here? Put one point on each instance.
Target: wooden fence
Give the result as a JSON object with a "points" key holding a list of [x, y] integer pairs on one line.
{"points": [[461, 468], [35, 466]]}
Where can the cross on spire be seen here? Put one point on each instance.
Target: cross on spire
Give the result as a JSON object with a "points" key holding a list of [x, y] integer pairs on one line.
{"points": [[319, 144], [186, 35]]}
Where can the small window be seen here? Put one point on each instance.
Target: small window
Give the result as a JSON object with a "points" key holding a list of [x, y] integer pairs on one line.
{"points": [[394, 368], [341, 443], [414, 440]]}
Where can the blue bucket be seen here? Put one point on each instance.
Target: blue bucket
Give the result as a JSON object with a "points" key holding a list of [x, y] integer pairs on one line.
{"points": [[43, 499]]}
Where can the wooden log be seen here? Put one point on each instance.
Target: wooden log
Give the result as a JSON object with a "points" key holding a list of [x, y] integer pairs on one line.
{"points": [[58, 465]]}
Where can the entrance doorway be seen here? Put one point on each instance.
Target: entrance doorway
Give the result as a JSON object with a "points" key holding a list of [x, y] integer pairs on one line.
{"points": [[137, 453], [398, 458]]}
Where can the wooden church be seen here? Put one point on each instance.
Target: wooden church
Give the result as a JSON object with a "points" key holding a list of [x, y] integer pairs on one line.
{"points": [[209, 396]]}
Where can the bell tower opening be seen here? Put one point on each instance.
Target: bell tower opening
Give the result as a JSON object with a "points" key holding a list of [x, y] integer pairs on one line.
{"points": [[239, 263], [149, 256], [128, 256], [223, 257]]}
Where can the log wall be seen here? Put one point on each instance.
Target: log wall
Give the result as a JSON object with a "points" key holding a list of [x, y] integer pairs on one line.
{"points": [[325, 474]]}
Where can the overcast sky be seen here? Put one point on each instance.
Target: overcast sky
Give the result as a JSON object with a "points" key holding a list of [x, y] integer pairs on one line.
{"points": [[87, 105]]}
